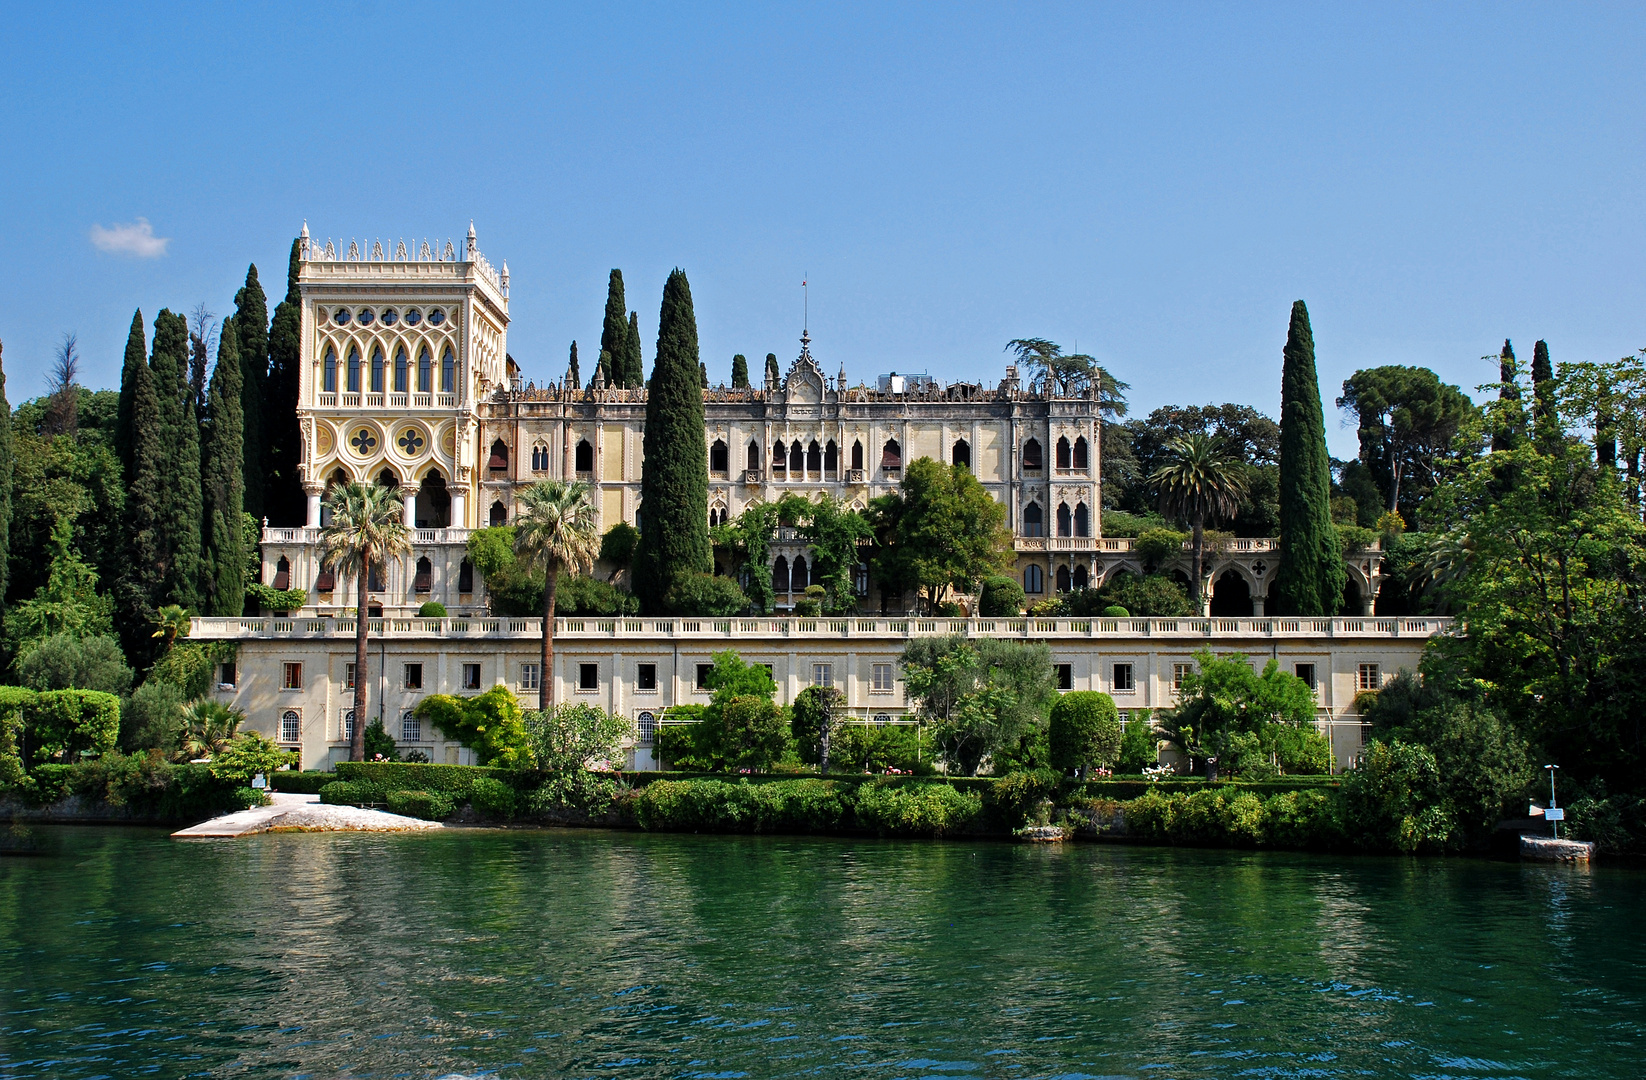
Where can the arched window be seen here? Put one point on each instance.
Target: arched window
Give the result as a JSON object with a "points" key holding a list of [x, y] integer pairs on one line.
{"points": [[353, 383], [797, 458], [538, 453], [1082, 457], [1034, 579], [1032, 458], [797, 575], [962, 453], [780, 457], [780, 575], [1063, 581], [718, 456], [1081, 578], [328, 378], [424, 581], [1062, 452], [425, 373], [377, 371], [892, 456], [857, 453], [754, 456], [1082, 520], [814, 457], [434, 502], [448, 374], [718, 515], [585, 456], [500, 456], [282, 574], [860, 579], [400, 370], [499, 516], [388, 479], [831, 458], [1065, 522], [325, 580], [465, 576], [1034, 520]]}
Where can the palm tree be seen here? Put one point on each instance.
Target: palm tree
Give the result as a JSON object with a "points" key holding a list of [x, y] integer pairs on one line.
{"points": [[170, 623], [1197, 483], [367, 528], [208, 726], [555, 528]]}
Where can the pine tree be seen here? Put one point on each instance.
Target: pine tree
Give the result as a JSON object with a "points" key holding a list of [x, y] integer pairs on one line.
{"points": [[136, 357], [283, 499], [1312, 575], [674, 476], [634, 362], [740, 372], [251, 321], [614, 333], [574, 378], [7, 461], [223, 577], [773, 375], [179, 429]]}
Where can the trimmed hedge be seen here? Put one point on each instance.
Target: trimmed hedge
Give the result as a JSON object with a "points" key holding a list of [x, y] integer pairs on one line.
{"points": [[354, 793], [455, 780], [1212, 818], [492, 798], [300, 783], [428, 805], [916, 809], [715, 805]]}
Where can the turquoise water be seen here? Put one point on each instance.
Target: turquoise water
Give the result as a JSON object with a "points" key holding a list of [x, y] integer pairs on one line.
{"points": [[569, 954]]}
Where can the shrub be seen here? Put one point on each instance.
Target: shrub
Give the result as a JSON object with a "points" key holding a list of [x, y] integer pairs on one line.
{"points": [[617, 547], [1302, 819], [1393, 801], [428, 805], [152, 718], [753, 733], [1158, 547], [581, 792], [815, 716], [1354, 538], [268, 598], [491, 724], [719, 805], [1084, 732], [1115, 611], [1154, 596], [704, 596], [915, 810], [352, 793], [71, 662], [301, 783], [1302, 751], [379, 743], [248, 754], [1014, 800], [67, 723], [576, 595], [454, 780], [1121, 523], [432, 609], [875, 748], [1001, 597], [14, 701], [810, 605], [492, 798], [572, 734], [693, 746]]}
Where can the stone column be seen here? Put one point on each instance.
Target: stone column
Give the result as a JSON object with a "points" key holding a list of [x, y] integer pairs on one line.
{"points": [[1257, 605], [459, 516], [408, 494], [313, 491]]}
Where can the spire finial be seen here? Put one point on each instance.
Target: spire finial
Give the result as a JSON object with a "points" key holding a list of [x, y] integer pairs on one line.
{"points": [[304, 235]]}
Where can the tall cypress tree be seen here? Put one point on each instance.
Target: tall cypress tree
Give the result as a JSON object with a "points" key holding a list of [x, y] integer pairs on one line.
{"points": [[634, 362], [137, 351], [7, 462], [141, 576], [773, 374], [703, 369], [603, 370], [574, 378], [740, 372], [1312, 575], [283, 499], [614, 332], [1506, 434], [1543, 389], [251, 321], [180, 505], [223, 576], [674, 475]]}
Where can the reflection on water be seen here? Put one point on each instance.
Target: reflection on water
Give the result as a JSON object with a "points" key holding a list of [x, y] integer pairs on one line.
{"points": [[124, 953]]}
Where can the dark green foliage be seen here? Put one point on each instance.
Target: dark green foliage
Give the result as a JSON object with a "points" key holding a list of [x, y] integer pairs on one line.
{"points": [[491, 725], [719, 806], [1393, 800], [634, 361], [1123, 523], [978, 697], [1311, 576], [740, 372], [61, 724], [942, 530], [7, 463], [1084, 732], [876, 748], [69, 661], [1510, 417], [1140, 447], [431, 609], [614, 332], [602, 369], [1159, 548], [152, 718], [15, 702], [674, 479], [180, 510], [774, 376], [618, 546], [578, 595], [1228, 715], [1001, 597], [222, 486], [283, 500], [136, 353], [492, 798], [703, 372], [428, 805], [379, 743], [1217, 818], [268, 598], [753, 733], [1139, 746], [1152, 596], [1358, 484], [453, 780], [1407, 420], [251, 323], [915, 810], [574, 377], [704, 596], [353, 793], [815, 719], [146, 787]]}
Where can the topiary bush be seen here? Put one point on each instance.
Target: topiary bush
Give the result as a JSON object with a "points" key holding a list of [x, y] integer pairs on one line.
{"points": [[1115, 611], [492, 798], [1001, 597], [1084, 732], [428, 805], [432, 609]]}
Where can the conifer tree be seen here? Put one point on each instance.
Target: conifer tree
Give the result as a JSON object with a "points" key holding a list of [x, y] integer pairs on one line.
{"points": [[574, 378], [137, 351], [603, 369], [223, 576], [674, 477], [1312, 575], [773, 374], [614, 332], [703, 369], [7, 460], [740, 372], [634, 362], [251, 320], [180, 509], [283, 499], [1506, 434], [138, 586], [1543, 386]]}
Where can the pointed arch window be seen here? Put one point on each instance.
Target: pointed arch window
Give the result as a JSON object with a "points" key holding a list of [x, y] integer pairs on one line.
{"points": [[540, 457], [814, 457], [1034, 520], [1034, 579], [797, 575], [754, 456], [1064, 583], [719, 457], [400, 370], [499, 515], [797, 458], [424, 581], [353, 383], [780, 456], [962, 455], [448, 374], [1082, 579], [780, 575], [831, 458], [328, 377], [1062, 452], [425, 373], [857, 453], [282, 574], [377, 370], [891, 457], [1065, 521], [1082, 454], [1033, 458], [585, 456], [465, 576], [1082, 520], [500, 456]]}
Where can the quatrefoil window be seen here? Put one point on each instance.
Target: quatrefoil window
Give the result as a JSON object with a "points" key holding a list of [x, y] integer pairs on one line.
{"points": [[410, 442], [364, 442]]}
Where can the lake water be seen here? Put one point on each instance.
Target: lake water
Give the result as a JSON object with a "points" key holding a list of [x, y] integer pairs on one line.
{"points": [[124, 953]]}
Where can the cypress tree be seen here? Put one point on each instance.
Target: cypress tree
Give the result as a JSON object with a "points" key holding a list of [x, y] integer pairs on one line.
{"points": [[136, 352], [773, 375], [574, 378], [142, 574], [603, 369], [7, 461], [180, 509], [1312, 575], [223, 575], [703, 369], [634, 362], [283, 499], [740, 372], [251, 321], [1544, 417], [1506, 435], [614, 332], [674, 476]]}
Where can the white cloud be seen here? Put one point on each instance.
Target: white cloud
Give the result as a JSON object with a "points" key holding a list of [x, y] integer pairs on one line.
{"points": [[136, 239]]}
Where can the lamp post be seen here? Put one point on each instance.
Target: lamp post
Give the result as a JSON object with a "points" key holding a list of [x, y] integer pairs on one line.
{"points": [[1553, 813]]}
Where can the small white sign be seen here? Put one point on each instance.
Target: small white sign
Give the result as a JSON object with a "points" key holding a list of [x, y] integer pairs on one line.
{"points": [[1554, 813], [258, 782]]}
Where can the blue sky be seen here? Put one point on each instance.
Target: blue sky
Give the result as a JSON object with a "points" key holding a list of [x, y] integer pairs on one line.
{"points": [[1153, 184]]}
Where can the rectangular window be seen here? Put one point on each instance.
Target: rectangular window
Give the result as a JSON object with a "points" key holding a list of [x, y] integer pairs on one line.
{"points": [[1179, 673], [1123, 679], [822, 674], [645, 677], [881, 682], [588, 676], [471, 676], [1306, 672], [1368, 678], [770, 670], [225, 674], [528, 676], [414, 676], [291, 726], [703, 671], [411, 728], [348, 676], [1065, 676], [291, 676]]}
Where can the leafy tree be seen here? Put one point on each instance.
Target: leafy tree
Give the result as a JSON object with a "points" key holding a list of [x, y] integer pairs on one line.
{"points": [[837, 535], [740, 372], [1084, 732], [816, 716], [567, 738], [283, 499], [1393, 801], [747, 541], [752, 732], [555, 528], [65, 724], [251, 323], [73, 662], [1139, 746], [1510, 416], [979, 696], [1312, 576], [152, 718], [1223, 698], [1069, 375], [732, 676], [1150, 596], [1199, 483], [180, 501], [1001, 597], [222, 485], [490, 724], [614, 331], [704, 596], [674, 478], [618, 546], [941, 530], [1408, 419], [367, 527], [247, 755]]}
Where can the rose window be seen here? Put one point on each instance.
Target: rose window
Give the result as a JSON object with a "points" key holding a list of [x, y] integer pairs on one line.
{"points": [[364, 442], [411, 442]]}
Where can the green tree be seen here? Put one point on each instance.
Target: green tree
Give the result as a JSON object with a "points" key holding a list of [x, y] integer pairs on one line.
{"points": [[139, 588], [603, 370], [1223, 699], [1083, 732], [1393, 801], [740, 372], [567, 738], [837, 535], [66, 724], [618, 546], [1139, 746], [941, 530], [1001, 597], [774, 374], [674, 476], [208, 728], [180, 502], [748, 541], [67, 603], [817, 713], [614, 331], [490, 724], [136, 351], [283, 499], [633, 360], [1069, 375], [978, 697], [1544, 404], [1312, 576], [251, 322], [7, 465], [367, 528], [703, 373], [1199, 483], [1510, 415], [222, 486], [555, 528], [72, 662], [1408, 419], [574, 378]]}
